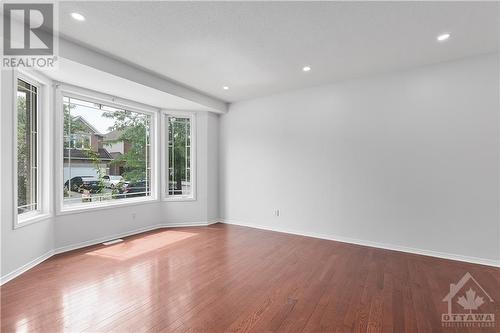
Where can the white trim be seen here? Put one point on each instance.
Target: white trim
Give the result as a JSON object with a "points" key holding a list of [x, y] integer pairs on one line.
{"points": [[41, 200], [89, 95], [26, 219], [178, 198], [109, 204], [164, 155], [15, 273], [190, 224], [93, 96], [100, 240], [430, 253]]}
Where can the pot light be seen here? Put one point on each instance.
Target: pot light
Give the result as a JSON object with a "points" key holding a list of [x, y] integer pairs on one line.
{"points": [[78, 16], [306, 68], [225, 88], [443, 37]]}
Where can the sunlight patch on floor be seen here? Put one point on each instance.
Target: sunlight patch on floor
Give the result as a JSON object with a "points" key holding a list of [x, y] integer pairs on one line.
{"points": [[133, 248]]}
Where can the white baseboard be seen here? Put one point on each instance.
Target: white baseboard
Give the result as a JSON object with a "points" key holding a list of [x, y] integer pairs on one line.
{"points": [[430, 253], [190, 224], [100, 240], [132, 232], [15, 273]]}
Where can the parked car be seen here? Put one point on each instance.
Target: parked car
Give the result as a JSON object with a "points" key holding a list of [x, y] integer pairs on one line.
{"points": [[112, 181], [80, 183], [134, 189]]}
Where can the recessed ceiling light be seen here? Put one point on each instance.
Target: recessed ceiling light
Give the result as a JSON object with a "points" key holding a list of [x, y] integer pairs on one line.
{"points": [[306, 68], [443, 37], [78, 16], [225, 88]]}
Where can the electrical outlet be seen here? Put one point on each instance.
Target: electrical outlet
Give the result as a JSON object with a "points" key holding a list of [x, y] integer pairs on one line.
{"points": [[276, 212]]}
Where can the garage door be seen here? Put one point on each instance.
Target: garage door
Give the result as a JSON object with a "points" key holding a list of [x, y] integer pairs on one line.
{"points": [[80, 170]]}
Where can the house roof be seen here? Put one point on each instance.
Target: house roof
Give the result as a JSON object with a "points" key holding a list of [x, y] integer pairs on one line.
{"points": [[80, 154], [113, 135], [86, 123]]}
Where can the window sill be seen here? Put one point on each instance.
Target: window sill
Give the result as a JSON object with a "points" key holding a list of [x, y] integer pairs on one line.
{"points": [[30, 218], [86, 208], [179, 199]]}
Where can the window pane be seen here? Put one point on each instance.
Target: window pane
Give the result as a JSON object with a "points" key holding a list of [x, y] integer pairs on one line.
{"points": [[179, 156], [27, 147], [107, 153]]}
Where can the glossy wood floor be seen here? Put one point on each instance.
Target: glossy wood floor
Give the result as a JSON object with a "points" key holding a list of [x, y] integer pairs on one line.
{"points": [[235, 279]]}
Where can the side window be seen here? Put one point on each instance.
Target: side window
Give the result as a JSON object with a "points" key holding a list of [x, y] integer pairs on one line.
{"points": [[27, 148], [179, 160]]}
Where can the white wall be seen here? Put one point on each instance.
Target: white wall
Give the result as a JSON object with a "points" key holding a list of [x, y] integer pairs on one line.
{"points": [[22, 245], [212, 175], [61, 232], [205, 208], [407, 160]]}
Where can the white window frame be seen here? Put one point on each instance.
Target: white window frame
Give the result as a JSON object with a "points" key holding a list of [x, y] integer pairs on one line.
{"points": [[193, 168], [66, 90], [42, 212]]}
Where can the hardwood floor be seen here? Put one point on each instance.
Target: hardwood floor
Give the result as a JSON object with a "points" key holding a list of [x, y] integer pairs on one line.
{"points": [[237, 279]]}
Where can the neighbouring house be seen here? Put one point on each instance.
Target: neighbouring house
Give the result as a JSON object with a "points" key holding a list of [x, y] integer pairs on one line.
{"points": [[80, 146], [116, 148]]}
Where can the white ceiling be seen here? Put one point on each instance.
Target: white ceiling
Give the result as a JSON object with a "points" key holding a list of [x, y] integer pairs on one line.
{"points": [[259, 48], [87, 77]]}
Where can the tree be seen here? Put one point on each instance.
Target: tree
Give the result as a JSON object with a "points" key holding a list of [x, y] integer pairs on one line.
{"points": [[178, 132], [94, 157], [22, 151], [134, 129], [71, 123]]}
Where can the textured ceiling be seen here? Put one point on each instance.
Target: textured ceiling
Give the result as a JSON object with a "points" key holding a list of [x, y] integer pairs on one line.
{"points": [[259, 48]]}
